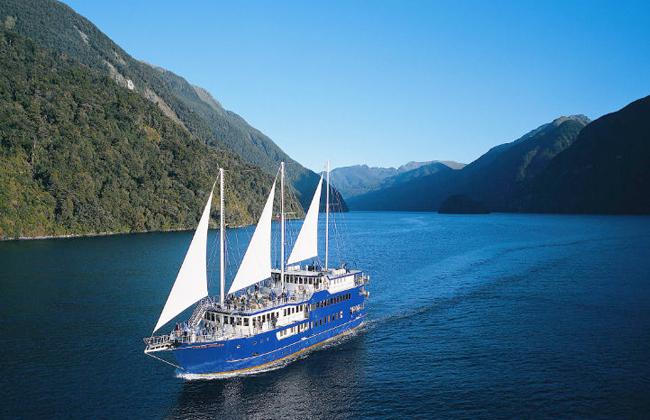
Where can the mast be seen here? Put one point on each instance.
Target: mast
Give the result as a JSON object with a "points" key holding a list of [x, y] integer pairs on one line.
{"points": [[222, 240], [327, 217], [282, 225]]}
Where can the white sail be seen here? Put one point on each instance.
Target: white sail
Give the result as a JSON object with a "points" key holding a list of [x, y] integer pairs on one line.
{"points": [[192, 280], [306, 245], [256, 264]]}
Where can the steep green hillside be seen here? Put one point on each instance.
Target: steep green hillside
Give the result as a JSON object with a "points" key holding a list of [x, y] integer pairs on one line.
{"points": [[606, 170], [79, 154], [56, 26], [494, 179], [233, 133]]}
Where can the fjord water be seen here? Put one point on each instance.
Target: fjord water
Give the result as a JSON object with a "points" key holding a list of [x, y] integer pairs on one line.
{"points": [[471, 316]]}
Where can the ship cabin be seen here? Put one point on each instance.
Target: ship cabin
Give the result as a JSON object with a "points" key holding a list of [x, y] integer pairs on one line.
{"points": [[260, 313]]}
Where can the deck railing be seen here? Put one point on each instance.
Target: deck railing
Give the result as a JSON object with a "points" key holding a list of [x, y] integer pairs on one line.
{"points": [[249, 306], [212, 303]]}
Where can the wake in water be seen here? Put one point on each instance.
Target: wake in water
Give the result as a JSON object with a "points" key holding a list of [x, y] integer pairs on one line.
{"points": [[437, 285], [327, 344], [459, 277]]}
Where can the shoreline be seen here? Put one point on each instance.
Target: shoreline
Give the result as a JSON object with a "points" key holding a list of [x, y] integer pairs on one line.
{"points": [[90, 235]]}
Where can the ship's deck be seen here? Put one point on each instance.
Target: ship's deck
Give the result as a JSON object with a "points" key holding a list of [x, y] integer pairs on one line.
{"points": [[250, 305]]}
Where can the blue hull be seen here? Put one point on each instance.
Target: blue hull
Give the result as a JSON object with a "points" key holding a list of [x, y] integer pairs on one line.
{"points": [[265, 349]]}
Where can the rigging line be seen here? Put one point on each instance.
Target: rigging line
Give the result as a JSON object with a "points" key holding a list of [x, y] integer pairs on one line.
{"points": [[336, 238], [345, 231], [338, 230], [164, 361], [242, 170], [291, 225], [212, 250], [210, 255], [239, 253], [233, 261], [338, 220], [226, 253], [295, 223], [222, 241]]}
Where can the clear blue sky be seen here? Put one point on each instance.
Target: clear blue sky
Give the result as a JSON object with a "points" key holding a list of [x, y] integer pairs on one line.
{"points": [[386, 82]]}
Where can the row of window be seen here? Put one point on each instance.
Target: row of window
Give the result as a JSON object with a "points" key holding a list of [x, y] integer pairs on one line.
{"points": [[235, 320], [294, 330], [301, 280], [294, 309], [268, 317], [331, 301], [327, 319], [288, 278], [339, 280], [240, 320]]}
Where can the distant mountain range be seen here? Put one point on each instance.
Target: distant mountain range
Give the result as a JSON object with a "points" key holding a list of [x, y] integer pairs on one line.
{"points": [[356, 180], [570, 165], [493, 179]]}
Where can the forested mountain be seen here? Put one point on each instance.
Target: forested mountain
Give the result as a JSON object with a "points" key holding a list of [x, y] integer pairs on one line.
{"points": [[80, 154], [606, 170], [359, 179], [56, 26], [494, 179]]}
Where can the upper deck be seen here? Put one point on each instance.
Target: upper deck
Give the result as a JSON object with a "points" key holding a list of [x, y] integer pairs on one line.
{"points": [[259, 309]]}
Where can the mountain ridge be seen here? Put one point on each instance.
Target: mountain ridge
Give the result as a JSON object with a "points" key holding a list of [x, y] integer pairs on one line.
{"points": [[80, 155], [491, 180], [605, 171], [58, 27], [357, 179]]}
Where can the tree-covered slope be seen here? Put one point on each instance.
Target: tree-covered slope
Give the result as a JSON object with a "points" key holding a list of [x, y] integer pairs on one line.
{"points": [[497, 180], [80, 154], [56, 26], [606, 170]]}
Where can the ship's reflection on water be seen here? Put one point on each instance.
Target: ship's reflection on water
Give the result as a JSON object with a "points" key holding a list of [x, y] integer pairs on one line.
{"points": [[327, 381]]}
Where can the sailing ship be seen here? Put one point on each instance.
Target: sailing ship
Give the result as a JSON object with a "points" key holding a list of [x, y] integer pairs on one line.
{"points": [[269, 315]]}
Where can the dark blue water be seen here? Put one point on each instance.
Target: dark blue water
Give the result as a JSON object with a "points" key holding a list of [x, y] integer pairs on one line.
{"points": [[471, 316]]}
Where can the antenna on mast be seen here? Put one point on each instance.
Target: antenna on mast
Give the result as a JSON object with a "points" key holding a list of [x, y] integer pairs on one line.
{"points": [[327, 217]]}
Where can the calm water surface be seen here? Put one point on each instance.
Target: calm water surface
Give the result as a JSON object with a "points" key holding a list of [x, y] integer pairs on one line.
{"points": [[470, 316]]}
